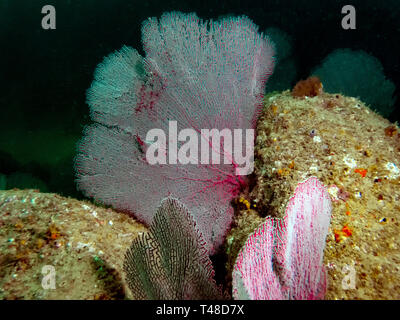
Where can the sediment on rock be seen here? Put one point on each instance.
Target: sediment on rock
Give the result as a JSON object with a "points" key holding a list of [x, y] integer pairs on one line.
{"points": [[355, 153]]}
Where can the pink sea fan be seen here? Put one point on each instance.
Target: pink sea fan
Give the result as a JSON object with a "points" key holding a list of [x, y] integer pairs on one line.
{"points": [[203, 75], [283, 259]]}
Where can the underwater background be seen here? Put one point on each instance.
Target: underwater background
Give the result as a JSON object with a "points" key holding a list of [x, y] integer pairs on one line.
{"points": [[45, 73]]}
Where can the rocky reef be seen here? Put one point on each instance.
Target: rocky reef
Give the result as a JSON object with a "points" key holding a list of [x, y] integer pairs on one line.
{"points": [[356, 154]]}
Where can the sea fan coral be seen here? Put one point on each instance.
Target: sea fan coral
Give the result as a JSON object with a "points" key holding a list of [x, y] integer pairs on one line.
{"points": [[357, 74], [171, 261], [200, 75]]}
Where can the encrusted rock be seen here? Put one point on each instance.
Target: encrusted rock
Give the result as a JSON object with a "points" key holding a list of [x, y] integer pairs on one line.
{"points": [[83, 245], [346, 146]]}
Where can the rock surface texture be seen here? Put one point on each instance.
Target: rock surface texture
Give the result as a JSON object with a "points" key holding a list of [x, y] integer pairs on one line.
{"points": [[85, 245], [355, 153]]}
